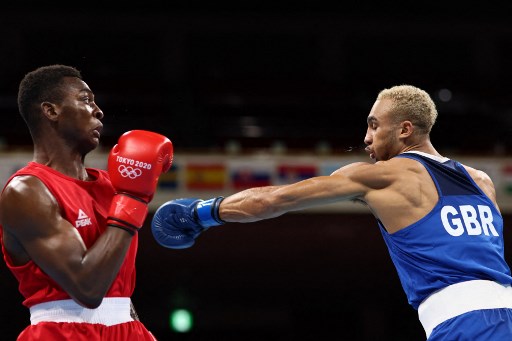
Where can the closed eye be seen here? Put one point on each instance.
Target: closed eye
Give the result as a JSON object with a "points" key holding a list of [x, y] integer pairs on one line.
{"points": [[372, 122]]}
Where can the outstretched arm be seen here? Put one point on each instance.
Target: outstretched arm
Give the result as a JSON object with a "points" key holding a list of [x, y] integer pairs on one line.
{"points": [[177, 223], [272, 201], [352, 182]]}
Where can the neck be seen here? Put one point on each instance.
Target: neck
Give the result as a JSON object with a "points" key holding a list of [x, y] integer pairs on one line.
{"points": [[62, 160], [424, 146]]}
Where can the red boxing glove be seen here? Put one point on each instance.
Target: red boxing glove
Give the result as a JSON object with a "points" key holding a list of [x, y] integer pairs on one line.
{"points": [[134, 165]]}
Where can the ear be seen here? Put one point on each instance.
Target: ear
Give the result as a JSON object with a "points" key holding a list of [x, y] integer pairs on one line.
{"points": [[407, 128], [50, 111]]}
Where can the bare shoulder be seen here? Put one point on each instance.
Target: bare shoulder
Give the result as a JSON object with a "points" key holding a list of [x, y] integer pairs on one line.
{"points": [[478, 175], [24, 188], [483, 180], [380, 174], [24, 201]]}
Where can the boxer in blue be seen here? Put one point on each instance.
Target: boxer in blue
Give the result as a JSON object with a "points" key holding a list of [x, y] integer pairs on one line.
{"points": [[439, 219]]}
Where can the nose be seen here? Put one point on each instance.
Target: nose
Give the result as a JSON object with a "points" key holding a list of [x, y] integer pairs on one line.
{"points": [[98, 113], [368, 138]]}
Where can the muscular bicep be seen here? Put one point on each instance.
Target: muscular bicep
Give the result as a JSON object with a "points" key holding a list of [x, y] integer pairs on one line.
{"points": [[363, 177], [351, 182], [31, 215]]}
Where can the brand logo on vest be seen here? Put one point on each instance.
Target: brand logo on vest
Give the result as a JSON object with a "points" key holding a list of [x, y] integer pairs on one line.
{"points": [[474, 221], [82, 220]]}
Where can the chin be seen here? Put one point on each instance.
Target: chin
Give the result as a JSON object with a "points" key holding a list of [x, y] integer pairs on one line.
{"points": [[89, 147]]}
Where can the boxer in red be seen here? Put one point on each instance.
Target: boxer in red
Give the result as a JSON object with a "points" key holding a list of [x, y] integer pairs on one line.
{"points": [[68, 232]]}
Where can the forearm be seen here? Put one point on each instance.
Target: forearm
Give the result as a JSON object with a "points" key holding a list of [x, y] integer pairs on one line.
{"points": [[101, 262], [94, 273], [253, 205], [177, 223], [128, 209]]}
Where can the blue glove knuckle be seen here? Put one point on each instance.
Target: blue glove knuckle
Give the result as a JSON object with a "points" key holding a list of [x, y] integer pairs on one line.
{"points": [[175, 224]]}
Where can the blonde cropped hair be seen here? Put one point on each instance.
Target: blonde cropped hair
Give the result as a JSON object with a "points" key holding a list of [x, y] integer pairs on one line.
{"points": [[413, 104]]}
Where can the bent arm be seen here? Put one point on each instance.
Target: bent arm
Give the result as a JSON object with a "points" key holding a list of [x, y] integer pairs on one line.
{"points": [[32, 216], [351, 182]]}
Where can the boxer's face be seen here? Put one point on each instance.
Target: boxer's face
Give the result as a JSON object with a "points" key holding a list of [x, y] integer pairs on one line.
{"points": [[382, 134], [78, 116]]}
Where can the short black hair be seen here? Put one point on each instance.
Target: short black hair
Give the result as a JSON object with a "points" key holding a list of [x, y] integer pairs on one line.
{"points": [[39, 86]]}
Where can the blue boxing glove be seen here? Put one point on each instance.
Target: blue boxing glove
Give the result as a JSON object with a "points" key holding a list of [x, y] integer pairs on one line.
{"points": [[177, 223]]}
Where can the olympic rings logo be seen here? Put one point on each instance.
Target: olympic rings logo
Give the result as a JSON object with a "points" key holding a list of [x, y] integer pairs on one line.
{"points": [[129, 172]]}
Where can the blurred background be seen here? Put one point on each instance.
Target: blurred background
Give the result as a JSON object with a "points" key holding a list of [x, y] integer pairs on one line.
{"points": [[267, 85]]}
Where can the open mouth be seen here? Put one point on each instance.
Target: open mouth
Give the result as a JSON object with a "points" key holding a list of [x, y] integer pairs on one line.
{"points": [[369, 151]]}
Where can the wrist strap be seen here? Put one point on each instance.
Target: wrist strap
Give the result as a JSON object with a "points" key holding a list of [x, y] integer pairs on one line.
{"points": [[207, 212], [131, 230], [127, 212]]}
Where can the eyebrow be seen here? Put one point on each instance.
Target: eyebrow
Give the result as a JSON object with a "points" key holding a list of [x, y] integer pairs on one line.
{"points": [[87, 91], [371, 119]]}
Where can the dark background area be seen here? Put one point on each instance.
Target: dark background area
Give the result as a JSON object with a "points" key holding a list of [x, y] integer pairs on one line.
{"points": [[256, 73], [206, 75]]}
